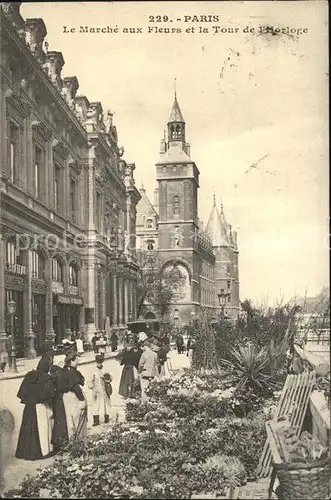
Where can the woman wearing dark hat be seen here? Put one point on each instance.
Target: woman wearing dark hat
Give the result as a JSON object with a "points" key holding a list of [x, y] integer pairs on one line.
{"points": [[130, 376], [36, 393], [70, 409]]}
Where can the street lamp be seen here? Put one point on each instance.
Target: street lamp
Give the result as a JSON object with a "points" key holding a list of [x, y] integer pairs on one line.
{"points": [[11, 312], [222, 298]]}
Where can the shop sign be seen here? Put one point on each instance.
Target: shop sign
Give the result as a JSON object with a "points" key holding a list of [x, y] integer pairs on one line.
{"points": [[67, 299], [13, 282]]}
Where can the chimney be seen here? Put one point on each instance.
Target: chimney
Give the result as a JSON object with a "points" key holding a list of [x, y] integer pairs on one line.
{"points": [[69, 90], [94, 117], [235, 237], [35, 34], [54, 64], [156, 199], [163, 146], [82, 104]]}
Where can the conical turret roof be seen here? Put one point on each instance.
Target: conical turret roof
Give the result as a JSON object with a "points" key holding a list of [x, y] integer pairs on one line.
{"points": [[216, 230], [176, 114]]}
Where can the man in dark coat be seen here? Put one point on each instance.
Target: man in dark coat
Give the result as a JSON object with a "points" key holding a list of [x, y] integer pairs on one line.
{"points": [[114, 342]]}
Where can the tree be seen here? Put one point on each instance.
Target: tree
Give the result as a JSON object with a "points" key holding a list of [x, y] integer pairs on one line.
{"points": [[155, 287], [205, 357]]}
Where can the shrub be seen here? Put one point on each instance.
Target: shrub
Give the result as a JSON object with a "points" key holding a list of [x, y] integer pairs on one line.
{"points": [[250, 369]]}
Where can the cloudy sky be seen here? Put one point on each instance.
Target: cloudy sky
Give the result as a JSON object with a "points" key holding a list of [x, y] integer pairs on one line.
{"points": [[244, 97]]}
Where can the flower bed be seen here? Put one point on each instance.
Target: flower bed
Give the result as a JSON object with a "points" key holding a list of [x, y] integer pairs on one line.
{"points": [[184, 439]]}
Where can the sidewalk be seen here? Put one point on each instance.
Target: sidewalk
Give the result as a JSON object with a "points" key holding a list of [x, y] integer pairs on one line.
{"points": [[24, 365]]}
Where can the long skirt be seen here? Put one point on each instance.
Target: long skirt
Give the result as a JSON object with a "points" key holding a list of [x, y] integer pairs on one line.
{"points": [[127, 382], [70, 420], [34, 442]]}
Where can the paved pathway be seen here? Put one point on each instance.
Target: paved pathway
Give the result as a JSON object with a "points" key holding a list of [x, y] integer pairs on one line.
{"points": [[17, 469]]}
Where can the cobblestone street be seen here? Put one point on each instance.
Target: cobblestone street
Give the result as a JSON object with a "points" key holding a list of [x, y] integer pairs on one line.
{"points": [[17, 469]]}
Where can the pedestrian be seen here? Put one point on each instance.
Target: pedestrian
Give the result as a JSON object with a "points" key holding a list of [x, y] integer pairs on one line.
{"points": [[191, 345], [180, 343], [114, 342], [148, 367], [162, 358], [9, 349], [94, 340], [37, 394], [130, 376], [101, 387], [79, 344], [70, 409]]}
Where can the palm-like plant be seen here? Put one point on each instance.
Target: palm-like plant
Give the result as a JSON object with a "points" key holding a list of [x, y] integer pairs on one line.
{"points": [[249, 368]]}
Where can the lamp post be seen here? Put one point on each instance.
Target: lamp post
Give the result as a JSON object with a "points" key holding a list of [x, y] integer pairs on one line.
{"points": [[222, 298], [11, 312]]}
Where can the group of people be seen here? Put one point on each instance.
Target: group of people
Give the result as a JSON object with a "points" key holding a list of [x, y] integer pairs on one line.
{"points": [[143, 359], [55, 405], [100, 342], [180, 344]]}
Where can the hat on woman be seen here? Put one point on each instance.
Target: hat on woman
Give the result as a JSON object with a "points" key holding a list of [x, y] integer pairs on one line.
{"points": [[99, 358]]}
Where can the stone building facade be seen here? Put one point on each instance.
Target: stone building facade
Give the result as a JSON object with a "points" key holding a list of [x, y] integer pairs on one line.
{"points": [[67, 199], [206, 260]]}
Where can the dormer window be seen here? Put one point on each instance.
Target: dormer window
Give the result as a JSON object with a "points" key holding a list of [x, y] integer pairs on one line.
{"points": [[149, 223]]}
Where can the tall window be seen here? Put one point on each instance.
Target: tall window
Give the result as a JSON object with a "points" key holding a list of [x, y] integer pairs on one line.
{"points": [[73, 195], [11, 254], [176, 204], [37, 265], [57, 188], [57, 274], [13, 151], [98, 210], [37, 171], [73, 278]]}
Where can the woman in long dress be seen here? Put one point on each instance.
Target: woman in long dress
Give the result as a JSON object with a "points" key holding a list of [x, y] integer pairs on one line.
{"points": [[36, 393], [70, 409], [130, 376]]}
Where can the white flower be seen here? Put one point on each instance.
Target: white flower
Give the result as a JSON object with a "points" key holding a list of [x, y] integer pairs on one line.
{"points": [[137, 489]]}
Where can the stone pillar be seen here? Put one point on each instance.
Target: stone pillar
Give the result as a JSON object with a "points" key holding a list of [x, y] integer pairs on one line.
{"points": [[50, 335], [103, 299], [3, 334], [120, 300], [126, 300], [134, 300], [90, 304], [28, 320], [115, 301]]}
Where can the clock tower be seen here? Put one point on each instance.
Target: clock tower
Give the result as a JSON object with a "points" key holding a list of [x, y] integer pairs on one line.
{"points": [[178, 181]]}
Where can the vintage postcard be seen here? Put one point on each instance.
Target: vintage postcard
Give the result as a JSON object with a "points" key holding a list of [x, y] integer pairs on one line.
{"points": [[164, 249]]}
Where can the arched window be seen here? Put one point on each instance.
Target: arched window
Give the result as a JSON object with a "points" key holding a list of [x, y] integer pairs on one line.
{"points": [[149, 223], [38, 265], [73, 275], [57, 270], [150, 245]]}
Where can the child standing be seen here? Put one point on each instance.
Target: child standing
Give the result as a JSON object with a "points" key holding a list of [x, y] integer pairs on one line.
{"points": [[101, 387]]}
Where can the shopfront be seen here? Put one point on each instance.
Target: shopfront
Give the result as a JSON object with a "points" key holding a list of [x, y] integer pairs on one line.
{"points": [[71, 309], [14, 287]]}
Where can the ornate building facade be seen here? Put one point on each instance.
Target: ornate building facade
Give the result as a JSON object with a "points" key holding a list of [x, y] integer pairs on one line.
{"points": [[205, 260], [67, 199]]}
